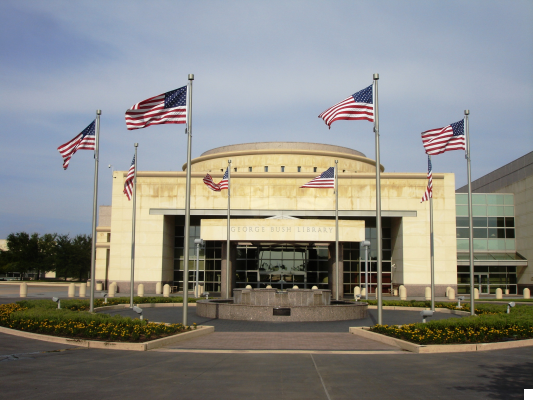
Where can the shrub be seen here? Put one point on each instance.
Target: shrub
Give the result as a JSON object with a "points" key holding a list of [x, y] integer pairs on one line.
{"points": [[480, 308]]}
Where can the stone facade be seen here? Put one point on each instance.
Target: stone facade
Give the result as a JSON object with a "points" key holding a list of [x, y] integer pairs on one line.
{"points": [[259, 195]]}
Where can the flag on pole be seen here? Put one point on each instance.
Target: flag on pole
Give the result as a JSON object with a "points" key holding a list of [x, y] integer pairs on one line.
{"points": [[358, 106], [217, 187], [440, 140], [429, 190], [128, 185], [326, 180], [224, 182], [86, 140], [166, 108], [208, 180]]}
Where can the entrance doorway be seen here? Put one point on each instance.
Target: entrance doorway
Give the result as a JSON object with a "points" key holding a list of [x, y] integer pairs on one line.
{"points": [[482, 283]]}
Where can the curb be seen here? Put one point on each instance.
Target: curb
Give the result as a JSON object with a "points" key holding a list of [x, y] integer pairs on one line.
{"points": [[437, 348], [93, 344]]}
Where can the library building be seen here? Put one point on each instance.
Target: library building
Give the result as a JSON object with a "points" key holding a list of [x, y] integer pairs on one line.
{"points": [[282, 234]]}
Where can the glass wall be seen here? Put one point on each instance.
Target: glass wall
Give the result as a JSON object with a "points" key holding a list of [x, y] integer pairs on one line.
{"points": [[354, 259], [210, 260], [282, 265], [493, 228], [487, 279], [493, 222]]}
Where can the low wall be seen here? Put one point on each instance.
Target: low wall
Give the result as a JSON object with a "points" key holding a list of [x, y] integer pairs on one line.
{"points": [[243, 312], [282, 298]]}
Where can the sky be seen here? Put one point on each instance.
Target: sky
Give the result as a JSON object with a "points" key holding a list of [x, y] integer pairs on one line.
{"points": [[263, 70]]}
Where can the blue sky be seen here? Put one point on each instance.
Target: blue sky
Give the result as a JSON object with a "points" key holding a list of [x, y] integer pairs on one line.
{"points": [[264, 70]]}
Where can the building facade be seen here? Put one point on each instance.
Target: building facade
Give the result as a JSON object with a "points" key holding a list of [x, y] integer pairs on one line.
{"points": [[503, 228], [280, 233]]}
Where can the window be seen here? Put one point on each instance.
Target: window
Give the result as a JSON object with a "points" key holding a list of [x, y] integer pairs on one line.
{"points": [[314, 169], [299, 169], [282, 168], [234, 169], [266, 168], [249, 169]]}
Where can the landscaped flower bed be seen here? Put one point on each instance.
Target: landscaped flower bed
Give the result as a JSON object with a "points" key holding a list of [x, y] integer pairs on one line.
{"points": [[42, 316], [497, 326]]}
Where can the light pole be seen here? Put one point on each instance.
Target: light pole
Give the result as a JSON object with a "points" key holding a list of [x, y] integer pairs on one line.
{"points": [[198, 243], [366, 245]]}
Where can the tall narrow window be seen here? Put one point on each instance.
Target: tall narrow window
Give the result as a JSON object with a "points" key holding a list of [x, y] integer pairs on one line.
{"points": [[299, 169], [282, 168], [234, 169], [266, 168], [249, 169], [314, 169]]}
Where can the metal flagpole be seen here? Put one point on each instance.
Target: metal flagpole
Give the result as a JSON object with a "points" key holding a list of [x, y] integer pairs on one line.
{"points": [[378, 201], [228, 234], [337, 230], [432, 246], [133, 215], [470, 229], [95, 201], [187, 204]]}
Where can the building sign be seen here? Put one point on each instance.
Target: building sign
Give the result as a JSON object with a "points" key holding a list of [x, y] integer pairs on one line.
{"points": [[287, 230]]}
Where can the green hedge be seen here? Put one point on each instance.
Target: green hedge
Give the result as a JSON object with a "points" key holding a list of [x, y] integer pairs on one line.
{"points": [[42, 316], [480, 308], [495, 326], [84, 305]]}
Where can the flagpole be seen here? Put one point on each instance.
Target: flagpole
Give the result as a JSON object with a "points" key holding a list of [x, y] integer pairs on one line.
{"points": [[187, 204], [470, 229], [432, 247], [133, 217], [336, 230], [228, 234], [95, 201], [378, 202]]}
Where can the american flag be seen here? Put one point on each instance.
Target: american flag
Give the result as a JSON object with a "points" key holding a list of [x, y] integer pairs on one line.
{"points": [[429, 190], [326, 180], [128, 185], [166, 108], [217, 187], [357, 106], [224, 182], [440, 140], [86, 140], [208, 180]]}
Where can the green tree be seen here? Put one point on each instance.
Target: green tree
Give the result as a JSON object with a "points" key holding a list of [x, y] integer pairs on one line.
{"points": [[81, 266], [47, 253], [23, 253], [73, 256]]}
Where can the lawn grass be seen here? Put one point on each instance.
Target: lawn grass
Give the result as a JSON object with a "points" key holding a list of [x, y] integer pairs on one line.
{"points": [[480, 309], [84, 305], [494, 325], [43, 316]]}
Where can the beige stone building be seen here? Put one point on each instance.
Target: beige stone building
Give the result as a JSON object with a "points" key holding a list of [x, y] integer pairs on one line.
{"points": [[280, 233]]}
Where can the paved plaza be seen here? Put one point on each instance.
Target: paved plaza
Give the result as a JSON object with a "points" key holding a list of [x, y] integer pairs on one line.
{"points": [[31, 369], [258, 360]]}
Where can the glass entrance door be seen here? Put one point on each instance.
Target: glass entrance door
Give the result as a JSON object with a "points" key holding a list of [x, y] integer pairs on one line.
{"points": [[482, 283]]}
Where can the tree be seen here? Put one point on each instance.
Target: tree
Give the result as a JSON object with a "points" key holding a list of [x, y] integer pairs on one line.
{"points": [[23, 254], [73, 256], [47, 253], [82, 246]]}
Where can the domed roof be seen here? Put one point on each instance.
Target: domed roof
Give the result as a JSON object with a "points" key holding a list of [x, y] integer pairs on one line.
{"points": [[283, 145]]}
